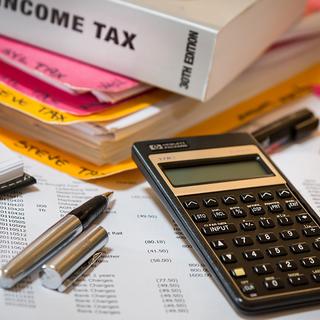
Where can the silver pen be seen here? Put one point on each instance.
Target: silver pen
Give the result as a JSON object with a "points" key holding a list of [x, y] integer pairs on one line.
{"points": [[52, 240], [63, 269]]}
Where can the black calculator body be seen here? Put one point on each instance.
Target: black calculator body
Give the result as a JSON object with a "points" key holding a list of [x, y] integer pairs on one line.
{"points": [[256, 234]]}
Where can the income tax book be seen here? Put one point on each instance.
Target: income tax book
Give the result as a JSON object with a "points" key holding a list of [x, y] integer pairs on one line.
{"points": [[194, 48], [280, 75]]}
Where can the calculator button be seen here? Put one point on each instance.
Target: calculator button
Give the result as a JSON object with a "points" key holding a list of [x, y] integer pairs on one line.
{"points": [[200, 217], [285, 221], [274, 284], [248, 225], [298, 280], [219, 214], [267, 195], [257, 210], [275, 208], [210, 202], [191, 204], [316, 244], [243, 241], [253, 254], [311, 231], [284, 193], [266, 237], [263, 268], [238, 272], [266, 223], [238, 212], [309, 262], [247, 197], [293, 205], [229, 200], [277, 251], [218, 244], [219, 229], [303, 218], [228, 258], [289, 234], [248, 288], [300, 247], [316, 277], [287, 265]]}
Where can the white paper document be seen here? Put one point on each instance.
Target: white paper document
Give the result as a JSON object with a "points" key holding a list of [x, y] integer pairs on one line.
{"points": [[148, 271], [11, 165]]}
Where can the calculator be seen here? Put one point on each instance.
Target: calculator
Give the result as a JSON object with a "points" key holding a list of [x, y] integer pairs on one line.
{"points": [[255, 233]]}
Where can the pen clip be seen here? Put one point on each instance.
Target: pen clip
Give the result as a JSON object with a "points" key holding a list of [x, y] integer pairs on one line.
{"points": [[304, 128], [79, 272]]}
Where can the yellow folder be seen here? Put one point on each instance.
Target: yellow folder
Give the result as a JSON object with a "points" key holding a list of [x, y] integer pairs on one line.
{"points": [[44, 112], [227, 120]]}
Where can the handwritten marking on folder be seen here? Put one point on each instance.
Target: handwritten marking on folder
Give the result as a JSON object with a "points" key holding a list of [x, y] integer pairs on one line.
{"points": [[12, 98], [84, 104], [59, 160], [71, 73]]}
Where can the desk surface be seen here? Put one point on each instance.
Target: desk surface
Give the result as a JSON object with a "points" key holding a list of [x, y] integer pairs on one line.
{"points": [[148, 270]]}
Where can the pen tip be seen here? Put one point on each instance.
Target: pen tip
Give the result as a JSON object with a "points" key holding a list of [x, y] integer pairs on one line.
{"points": [[108, 195]]}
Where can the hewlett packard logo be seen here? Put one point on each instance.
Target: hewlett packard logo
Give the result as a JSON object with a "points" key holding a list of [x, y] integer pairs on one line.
{"points": [[168, 145]]}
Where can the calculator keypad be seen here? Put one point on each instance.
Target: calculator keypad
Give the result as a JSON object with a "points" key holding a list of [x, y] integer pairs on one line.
{"points": [[264, 238]]}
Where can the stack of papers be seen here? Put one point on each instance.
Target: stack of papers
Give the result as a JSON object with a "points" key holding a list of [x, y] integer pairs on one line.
{"points": [[65, 74], [76, 112]]}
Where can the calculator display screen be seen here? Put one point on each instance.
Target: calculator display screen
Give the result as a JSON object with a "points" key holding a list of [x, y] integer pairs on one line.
{"points": [[217, 171]]}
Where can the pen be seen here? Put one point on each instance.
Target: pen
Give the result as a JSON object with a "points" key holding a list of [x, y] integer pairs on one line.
{"points": [[63, 269], [289, 128], [52, 240]]}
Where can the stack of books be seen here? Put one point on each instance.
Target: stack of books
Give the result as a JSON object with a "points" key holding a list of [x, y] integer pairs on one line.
{"points": [[83, 81]]}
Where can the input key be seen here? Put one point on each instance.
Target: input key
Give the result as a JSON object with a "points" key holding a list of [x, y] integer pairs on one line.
{"points": [[219, 229]]}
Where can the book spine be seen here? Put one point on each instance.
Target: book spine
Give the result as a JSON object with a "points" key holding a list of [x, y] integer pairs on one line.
{"points": [[153, 47]]}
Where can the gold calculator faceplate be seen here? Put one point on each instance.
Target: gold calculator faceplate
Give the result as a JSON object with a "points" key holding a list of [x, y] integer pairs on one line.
{"points": [[215, 153]]}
